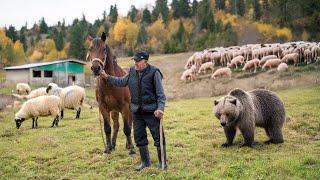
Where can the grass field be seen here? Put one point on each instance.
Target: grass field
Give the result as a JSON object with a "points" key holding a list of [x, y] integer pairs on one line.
{"points": [[74, 149]]}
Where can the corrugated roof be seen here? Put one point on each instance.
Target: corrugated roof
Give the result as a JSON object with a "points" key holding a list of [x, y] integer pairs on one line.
{"points": [[27, 66]]}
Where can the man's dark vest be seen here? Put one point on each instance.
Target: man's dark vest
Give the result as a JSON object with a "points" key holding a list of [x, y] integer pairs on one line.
{"points": [[143, 92]]}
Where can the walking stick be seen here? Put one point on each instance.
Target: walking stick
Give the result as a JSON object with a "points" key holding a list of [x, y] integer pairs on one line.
{"points": [[161, 143]]}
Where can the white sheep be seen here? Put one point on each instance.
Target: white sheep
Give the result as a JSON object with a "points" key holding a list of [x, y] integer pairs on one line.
{"points": [[291, 57], [265, 59], [251, 65], [72, 97], [39, 106], [205, 66], [282, 67], [239, 60], [226, 72], [23, 88], [271, 63], [33, 94], [188, 74]]}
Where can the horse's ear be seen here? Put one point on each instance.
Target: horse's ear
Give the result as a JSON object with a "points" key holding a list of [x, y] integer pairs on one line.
{"points": [[90, 38], [103, 36]]}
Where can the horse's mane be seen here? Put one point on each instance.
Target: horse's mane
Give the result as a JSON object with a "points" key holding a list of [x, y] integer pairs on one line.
{"points": [[111, 61]]}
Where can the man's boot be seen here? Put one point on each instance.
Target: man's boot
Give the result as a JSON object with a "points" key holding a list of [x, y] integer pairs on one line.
{"points": [[145, 158], [159, 157]]}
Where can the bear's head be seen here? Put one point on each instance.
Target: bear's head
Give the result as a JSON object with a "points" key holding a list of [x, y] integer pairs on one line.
{"points": [[227, 110]]}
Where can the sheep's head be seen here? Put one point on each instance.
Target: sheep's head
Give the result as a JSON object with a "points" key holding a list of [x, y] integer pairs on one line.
{"points": [[50, 87], [19, 122]]}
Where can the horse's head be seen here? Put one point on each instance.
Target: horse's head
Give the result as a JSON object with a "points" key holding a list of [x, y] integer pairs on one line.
{"points": [[97, 53]]}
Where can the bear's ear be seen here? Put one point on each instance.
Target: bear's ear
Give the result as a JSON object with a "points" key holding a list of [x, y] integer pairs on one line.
{"points": [[233, 101], [103, 36], [216, 102]]}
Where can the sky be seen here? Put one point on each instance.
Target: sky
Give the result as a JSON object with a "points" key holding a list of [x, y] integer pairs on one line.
{"points": [[18, 12]]}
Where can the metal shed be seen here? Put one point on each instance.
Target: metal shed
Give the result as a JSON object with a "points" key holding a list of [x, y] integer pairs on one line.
{"points": [[62, 72]]}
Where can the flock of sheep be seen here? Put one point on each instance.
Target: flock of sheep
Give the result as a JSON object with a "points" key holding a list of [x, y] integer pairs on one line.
{"points": [[250, 57], [47, 101]]}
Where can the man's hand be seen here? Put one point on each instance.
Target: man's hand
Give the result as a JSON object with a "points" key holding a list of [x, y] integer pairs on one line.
{"points": [[104, 74], [158, 113]]}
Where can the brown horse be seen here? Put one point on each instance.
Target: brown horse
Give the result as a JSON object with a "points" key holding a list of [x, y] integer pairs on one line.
{"points": [[112, 100]]}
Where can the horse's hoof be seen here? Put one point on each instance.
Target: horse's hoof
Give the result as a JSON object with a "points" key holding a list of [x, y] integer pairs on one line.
{"points": [[132, 152]]}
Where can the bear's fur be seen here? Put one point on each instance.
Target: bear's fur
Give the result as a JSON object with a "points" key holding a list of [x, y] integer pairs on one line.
{"points": [[246, 110]]}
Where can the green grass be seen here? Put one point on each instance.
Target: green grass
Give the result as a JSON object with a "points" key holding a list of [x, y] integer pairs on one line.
{"points": [[74, 149]]}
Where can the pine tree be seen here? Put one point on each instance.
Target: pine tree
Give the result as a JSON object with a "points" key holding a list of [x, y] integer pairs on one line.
{"points": [[146, 16], [133, 13], [185, 10], [142, 35], [241, 7], [266, 9], [220, 4], [22, 37], [194, 7], [43, 26], [205, 16], [161, 8], [257, 9], [12, 33], [77, 38], [113, 15], [175, 8]]}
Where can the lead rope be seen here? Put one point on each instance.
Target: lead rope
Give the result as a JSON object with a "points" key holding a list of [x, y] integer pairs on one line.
{"points": [[104, 142]]}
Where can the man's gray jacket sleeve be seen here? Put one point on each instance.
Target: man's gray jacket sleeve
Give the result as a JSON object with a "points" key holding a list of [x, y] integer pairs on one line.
{"points": [[118, 81], [161, 97]]}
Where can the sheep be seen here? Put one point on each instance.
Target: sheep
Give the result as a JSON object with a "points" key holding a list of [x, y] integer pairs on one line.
{"points": [[39, 106], [282, 67], [23, 87], [291, 57], [33, 94], [205, 66], [188, 74], [250, 65], [271, 63], [307, 55], [222, 72], [235, 61], [72, 97], [264, 59]]}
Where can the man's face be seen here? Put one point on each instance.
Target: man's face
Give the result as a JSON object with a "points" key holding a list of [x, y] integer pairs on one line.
{"points": [[140, 65]]}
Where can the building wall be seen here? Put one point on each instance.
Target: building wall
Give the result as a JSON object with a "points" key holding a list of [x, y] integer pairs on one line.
{"points": [[16, 76], [39, 81]]}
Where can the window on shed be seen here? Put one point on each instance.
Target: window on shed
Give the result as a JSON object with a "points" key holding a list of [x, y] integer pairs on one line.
{"points": [[36, 73], [47, 74]]}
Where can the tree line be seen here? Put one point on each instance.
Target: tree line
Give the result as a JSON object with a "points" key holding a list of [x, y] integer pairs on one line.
{"points": [[180, 26]]}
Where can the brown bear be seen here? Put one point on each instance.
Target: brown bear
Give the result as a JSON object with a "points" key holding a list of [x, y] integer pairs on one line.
{"points": [[246, 110]]}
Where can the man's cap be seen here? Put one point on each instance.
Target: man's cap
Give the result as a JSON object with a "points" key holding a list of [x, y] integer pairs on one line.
{"points": [[138, 56]]}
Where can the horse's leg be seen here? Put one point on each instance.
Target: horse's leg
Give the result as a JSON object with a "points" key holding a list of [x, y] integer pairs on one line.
{"points": [[127, 126], [107, 129], [115, 118]]}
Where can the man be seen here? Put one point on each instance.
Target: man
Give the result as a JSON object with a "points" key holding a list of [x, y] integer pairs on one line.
{"points": [[147, 104]]}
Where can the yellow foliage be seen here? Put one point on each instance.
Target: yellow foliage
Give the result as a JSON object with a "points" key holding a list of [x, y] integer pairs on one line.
{"points": [[226, 18], [62, 54], [100, 30], [19, 56], [110, 39], [305, 35], [188, 25], [120, 30], [53, 55], [36, 56], [131, 34], [158, 31], [269, 32], [45, 46], [284, 33], [173, 27]]}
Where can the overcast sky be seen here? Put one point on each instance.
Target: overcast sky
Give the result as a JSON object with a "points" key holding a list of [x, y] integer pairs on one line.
{"points": [[18, 12]]}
